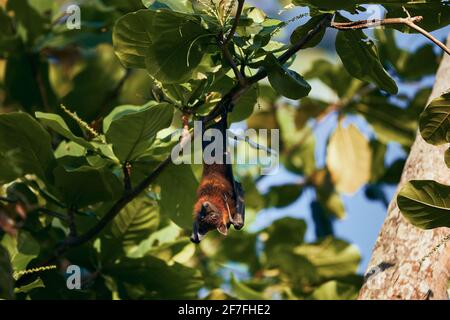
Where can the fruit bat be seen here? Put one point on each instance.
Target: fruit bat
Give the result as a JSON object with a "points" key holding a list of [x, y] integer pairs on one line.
{"points": [[220, 198]]}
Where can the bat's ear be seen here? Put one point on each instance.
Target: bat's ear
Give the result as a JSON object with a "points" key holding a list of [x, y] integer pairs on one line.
{"points": [[222, 229]]}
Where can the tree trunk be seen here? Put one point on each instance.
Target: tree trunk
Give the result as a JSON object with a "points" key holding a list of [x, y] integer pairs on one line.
{"points": [[395, 270]]}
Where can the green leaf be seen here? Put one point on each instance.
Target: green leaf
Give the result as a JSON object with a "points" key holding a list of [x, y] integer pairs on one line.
{"points": [[426, 204], [378, 169], [89, 99], [334, 76], [169, 44], [134, 223], [331, 201], [38, 283], [176, 5], [286, 82], [390, 122], [20, 73], [152, 278], [9, 41], [81, 185], [132, 133], [57, 123], [245, 106], [28, 147], [408, 65], [131, 38], [178, 199], [284, 195], [331, 257], [31, 23], [6, 275], [360, 57], [242, 292], [335, 290], [286, 232], [327, 4], [304, 29], [22, 249], [69, 149], [435, 120]]}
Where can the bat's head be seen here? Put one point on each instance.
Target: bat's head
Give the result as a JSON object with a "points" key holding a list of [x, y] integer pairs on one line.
{"points": [[209, 217]]}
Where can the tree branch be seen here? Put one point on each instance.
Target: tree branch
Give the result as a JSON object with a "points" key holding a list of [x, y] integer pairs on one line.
{"points": [[226, 41], [409, 21], [237, 18], [72, 226], [237, 91]]}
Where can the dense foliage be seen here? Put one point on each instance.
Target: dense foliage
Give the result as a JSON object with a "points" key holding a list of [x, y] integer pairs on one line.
{"points": [[89, 118]]}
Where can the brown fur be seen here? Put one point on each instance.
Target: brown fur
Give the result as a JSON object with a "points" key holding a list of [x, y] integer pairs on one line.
{"points": [[214, 188]]}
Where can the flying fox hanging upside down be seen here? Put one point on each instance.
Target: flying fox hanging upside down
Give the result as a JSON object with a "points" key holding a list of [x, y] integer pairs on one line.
{"points": [[220, 198]]}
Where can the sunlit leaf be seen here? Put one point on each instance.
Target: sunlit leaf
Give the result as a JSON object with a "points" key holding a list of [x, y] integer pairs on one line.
{"points": [[426, 204], [435, 120], [21, 249], [349, 159]]}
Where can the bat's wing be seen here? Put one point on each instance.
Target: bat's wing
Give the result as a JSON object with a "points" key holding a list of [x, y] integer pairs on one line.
{"points": [[239, 219]]}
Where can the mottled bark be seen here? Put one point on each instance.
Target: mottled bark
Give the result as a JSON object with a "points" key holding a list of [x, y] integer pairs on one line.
{"points": [[395, 270]]}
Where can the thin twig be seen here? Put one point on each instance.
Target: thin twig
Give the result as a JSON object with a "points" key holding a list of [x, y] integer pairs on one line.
{"points": [[226, 41], [227, 55], [71, 220], [237, 91], [235, 23], [409, 21]]}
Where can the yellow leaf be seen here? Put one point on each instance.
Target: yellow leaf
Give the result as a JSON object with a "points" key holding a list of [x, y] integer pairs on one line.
{"points": [[349, 159]]}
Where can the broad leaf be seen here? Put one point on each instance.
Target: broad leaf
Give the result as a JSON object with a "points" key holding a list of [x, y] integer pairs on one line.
{"points": [[81, 185], [88, 98], [57, 123], [286, 82], [27, 145], [349, 159], [135, 223], [152, 278], [284, 195], [22, 249], [426, 204], [435, 120], [243, 292], [360, 57], [169, 44], [6, 275], [335, 290], [331, 257], [303, 30], [132, 133], [178, 187], [38, 283]]}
